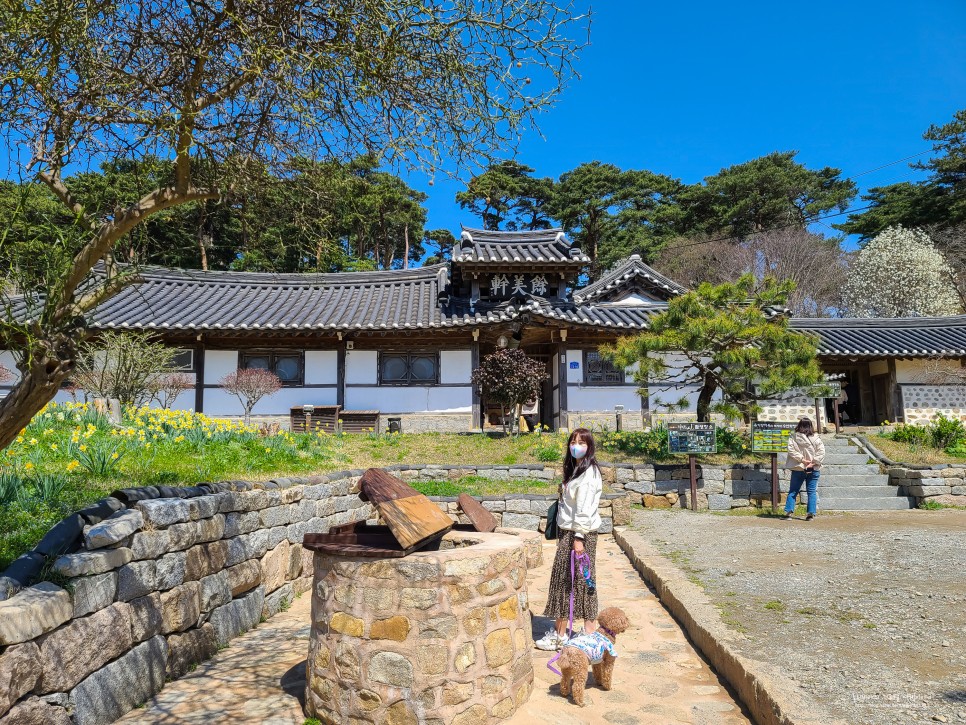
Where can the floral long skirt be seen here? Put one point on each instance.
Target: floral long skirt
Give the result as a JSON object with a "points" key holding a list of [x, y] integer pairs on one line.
{"points": [[558, 600]]}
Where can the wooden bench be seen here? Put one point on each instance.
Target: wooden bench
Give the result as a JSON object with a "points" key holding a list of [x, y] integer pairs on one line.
{"points": [[359, 421], [324, 418]]}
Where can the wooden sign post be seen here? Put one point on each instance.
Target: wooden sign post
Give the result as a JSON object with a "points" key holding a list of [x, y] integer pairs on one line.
{"points": [[771, 437], [774, 482], [692, 438]]}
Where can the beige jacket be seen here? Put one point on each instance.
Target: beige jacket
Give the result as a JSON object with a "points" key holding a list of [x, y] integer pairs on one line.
{"points": [[802, 447], [579, 503]]}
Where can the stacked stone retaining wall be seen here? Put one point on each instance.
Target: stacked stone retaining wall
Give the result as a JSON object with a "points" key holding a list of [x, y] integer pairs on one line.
{"points": [[157, 580], [945, 484]]}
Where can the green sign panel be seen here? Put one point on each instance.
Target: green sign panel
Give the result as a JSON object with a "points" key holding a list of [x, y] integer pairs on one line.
{"points": [[691, 438], [770, 437]]}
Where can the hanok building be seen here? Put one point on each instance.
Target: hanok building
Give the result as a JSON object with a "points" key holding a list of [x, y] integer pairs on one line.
{"points": [[405, 342]]}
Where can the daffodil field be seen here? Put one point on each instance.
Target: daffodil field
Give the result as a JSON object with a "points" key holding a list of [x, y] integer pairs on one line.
{"points": [[70, 455]]}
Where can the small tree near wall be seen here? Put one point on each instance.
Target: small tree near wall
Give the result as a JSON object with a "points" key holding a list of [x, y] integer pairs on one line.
{"points": [[166, 388], [250, 386], [509, 378], [731, 339], [123, 365]]}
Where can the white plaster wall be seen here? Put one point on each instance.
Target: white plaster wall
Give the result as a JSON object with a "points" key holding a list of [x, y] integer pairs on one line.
{"points": [[218, 402], [361, 368], [602, 398], [410, 399], [8, 361], [912, 371], [455, 366], [321, 367], [218, 364], [879, 367]]}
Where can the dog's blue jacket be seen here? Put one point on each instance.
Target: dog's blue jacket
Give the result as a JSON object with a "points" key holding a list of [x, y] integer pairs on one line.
{"points": [[593, 645]]}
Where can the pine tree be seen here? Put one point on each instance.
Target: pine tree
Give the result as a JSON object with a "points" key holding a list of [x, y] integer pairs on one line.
{"points": [[731, 339]]}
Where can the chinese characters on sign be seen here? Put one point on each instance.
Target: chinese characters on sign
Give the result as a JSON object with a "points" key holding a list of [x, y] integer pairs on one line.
{"points": [[691, 438], [769, 437], [502, 285]]}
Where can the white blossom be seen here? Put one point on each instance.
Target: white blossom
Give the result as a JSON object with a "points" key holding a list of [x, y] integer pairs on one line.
{"points": [[900, 273]]}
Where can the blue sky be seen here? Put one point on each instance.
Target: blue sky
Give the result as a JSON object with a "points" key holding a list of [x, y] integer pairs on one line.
{"points": [[688, 88]]}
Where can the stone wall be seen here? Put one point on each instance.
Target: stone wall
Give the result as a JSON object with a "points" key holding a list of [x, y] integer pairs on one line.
{"points": [[922, 403], [791, 410], [430, 422], [719, 488], [945, 484], [175, 573], [632, 420]]}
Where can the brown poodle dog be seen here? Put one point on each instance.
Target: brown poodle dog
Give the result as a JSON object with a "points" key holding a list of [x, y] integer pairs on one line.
{"points": [[575, 658]]}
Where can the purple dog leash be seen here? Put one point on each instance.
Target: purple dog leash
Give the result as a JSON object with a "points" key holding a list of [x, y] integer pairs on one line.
{"points": [[574, 558]]}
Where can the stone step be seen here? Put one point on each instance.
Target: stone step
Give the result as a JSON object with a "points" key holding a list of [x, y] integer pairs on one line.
{"points": [[854, 458], [833, 481], [858, 491], [849, 469], [898, 503]]}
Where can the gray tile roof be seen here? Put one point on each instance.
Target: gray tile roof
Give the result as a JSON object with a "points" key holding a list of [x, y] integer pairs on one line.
{"points": [[624, 275], [487, 247], [183, 300], [903, 337]]}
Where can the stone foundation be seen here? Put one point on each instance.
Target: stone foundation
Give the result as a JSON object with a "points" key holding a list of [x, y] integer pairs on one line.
{"points": [[605, 420], [438, 636]]}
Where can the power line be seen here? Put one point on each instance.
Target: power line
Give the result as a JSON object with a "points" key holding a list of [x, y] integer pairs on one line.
{"points": [[891, 163]]}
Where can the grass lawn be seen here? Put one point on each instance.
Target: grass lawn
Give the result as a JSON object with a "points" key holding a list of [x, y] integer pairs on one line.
{"points": [[69, 456], [919, 454]]}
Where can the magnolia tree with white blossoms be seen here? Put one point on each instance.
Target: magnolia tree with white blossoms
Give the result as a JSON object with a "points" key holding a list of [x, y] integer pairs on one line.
{"points": [[900, 273]]}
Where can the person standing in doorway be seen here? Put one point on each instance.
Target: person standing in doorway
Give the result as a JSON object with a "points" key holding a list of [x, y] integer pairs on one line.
{"points": [[578, 521], [805, 455]]}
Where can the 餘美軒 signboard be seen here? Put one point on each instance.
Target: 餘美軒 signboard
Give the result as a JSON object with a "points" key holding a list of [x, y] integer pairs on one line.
{"points": [[770, 437], [691, 438]]}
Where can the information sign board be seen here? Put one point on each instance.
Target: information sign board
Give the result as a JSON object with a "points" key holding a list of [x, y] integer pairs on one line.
{"points": [[691, 438], [770, 437]]}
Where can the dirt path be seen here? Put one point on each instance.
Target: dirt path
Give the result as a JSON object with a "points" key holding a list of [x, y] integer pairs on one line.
{"points": [[659, 679], [864, 611]]}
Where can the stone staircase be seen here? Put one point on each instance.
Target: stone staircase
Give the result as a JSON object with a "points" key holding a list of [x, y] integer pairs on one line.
{"points": [[850, 483]]}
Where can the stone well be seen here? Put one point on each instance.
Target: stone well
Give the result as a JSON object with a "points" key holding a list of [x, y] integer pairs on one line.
{"points": [[439, 636]]}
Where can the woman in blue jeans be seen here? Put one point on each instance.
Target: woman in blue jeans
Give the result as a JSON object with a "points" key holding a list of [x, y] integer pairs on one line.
{"points": [[805, 455]]}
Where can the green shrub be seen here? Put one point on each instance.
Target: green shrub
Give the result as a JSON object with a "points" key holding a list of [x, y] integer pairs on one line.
{"points": [[649, 443], [732, 441], [912, 434], [10, 487], [947, 432]]}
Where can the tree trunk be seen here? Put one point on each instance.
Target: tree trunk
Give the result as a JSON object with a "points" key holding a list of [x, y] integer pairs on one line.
{"points": [[704, 400], [201, 237], [37, 386], [406, 254]]}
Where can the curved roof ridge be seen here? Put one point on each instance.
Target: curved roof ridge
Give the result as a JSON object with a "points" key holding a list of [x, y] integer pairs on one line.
{"points": [[624, 271], [158, 273]]}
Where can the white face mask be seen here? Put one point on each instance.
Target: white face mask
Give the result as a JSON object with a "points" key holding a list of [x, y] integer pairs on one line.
{"points": [[578, 450]]}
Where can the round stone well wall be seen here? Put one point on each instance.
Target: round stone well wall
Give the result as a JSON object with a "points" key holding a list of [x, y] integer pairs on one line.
{"points": [[434, 637]]}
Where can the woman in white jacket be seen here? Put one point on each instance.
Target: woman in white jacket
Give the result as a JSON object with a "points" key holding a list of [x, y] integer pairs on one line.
{"points": [[578, 520], [806, 452]]}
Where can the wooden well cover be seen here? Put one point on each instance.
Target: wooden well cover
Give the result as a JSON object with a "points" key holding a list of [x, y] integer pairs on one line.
{"points": [[481, 519], [411, 517]]}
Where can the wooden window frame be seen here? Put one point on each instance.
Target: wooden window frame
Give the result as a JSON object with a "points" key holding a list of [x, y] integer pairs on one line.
{"points": [[408, 354], [601, 383], [272, 354], [182, 369]]}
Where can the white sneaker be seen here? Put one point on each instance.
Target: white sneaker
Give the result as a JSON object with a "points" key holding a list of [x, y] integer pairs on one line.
{"points": [[550, 642]]}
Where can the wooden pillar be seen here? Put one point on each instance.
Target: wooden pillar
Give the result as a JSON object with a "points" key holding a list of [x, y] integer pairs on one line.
{"points": [[562, 376], [898, 412], [200, 378], [474, 364], [340, 375]]}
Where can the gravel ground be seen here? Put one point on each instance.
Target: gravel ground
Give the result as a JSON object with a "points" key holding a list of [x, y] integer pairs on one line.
{"points": [[865, 611]]}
